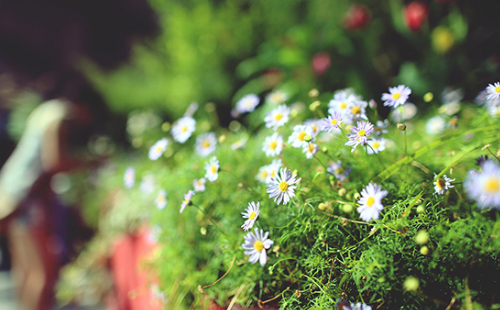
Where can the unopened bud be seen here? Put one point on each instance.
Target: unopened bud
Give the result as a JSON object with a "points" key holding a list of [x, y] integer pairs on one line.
{"points": [[313, 106], [411, 284], [372, 104], [222, 138], [240, 185], [307, 138], [428, 97], [424, 250], [342, 192], [357, 196], [401, 127], [325, 150], [322, 206], [422, 237], [165, 126], [203, 231], [313, 93], [347, 208], [420, 209]]}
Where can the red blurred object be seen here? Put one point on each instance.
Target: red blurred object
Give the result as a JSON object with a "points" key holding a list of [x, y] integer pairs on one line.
{"points": [[357, 17], [416, 14], [320, 63]]}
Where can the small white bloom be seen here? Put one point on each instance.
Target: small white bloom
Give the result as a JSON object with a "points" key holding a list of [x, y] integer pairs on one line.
{"points": [[212, 167], [199, 185], [310, 150], [161, 199], [336, 169], [247, 103], [158, 149], [147, 184], [315, 124], [281, 187], [441, 185], [183, 128], [377, 145], [129, 177], [435, 125], [277, 117], [298, 138], [397, 96], [493, 91], [187, 200], [371, 202], [405, 112], [251, 214], [256, 244], [381, 127], [277, 97], [484, 187], [273, 145], [206, 143], [356, 111], [449, 109], [238, 144]]}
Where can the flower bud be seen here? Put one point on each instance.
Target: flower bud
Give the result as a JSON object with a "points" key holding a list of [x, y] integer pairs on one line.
{"points": [[307, 138], [322, 206], [342, 192], [422, 237], [313, 93], [372, 104], [347, 208], [401, 127], [424, 250], [411, 284], [357, 196], [313, 106], [421, 209], [428, 97]]}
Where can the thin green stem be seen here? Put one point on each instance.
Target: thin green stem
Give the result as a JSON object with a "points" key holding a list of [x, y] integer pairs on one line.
{"points": [[209, 218]]}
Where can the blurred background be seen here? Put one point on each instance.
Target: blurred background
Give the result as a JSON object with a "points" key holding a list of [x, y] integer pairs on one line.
{"points": [[154, 58]]}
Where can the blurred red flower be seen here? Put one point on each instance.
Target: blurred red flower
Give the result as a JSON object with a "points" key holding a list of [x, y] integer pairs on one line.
{"points": [[357, 17], [415, 15]]}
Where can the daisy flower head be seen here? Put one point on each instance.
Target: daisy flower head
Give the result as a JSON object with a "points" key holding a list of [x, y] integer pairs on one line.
{"points": [[282, 187], [441, 185], [273, 169], [183, 128], [376, 145], [277, 97], [359, 135], [494, 111], [273, 145], [212, 167], [332, 122], [493, 91], [161, 199], [129, 177], [199, 185], [341, 100], [371, 202], [315, 124], [187, 200], [206, 143], [381, 127], [158, 149], [301, 136], [435, 125], [336, 169], [247, 103], [251, 214], [256, 244], [397, 96], [356, 110], [484, 186], [263, 174], [405, 112], [310, 150], [277, 117], [345, 305], [238, 144]]}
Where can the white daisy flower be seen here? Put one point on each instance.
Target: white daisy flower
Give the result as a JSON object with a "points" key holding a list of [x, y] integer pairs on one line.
{"points": [[336, 169], [277, 97], [315, 124], [493, 91], [310, 150], [377, 145], [212, 167], [129, 177], [356, 111], [263, 174], [298, 138], [199, 185], [450, 108], [206, 143], [238, 144], [247, 103], [435, 125], [341, 101], [187, 200], [494, 111], [158, 149], [277, 117], [161, 199], [371, 202], [147, 184], [251, 214], [183, 128], [281, 187], [397, 96], [359, 135], [273, 145], [256, 244], [405, 112], [484, 187], [381, 127], [332, 122], [441, 185]]}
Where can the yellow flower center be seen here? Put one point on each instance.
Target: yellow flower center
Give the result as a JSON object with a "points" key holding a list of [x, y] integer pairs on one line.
{"points": [[213, 169], [440, 183], [159, 149], [339, 171], [343, 105], [276, 98], [311, 147], [301, 136], [355, 110], [273, 173], [273, 145], [376, 145], [396, 96], [186, 202], [278, 116], [258, 246], [283, 186], [361, 133], [184, 128], [264, 174], [205, 144], [333, 122], [497, 89], [160, 199], [252, 215], [492, 185], [370, 201]]}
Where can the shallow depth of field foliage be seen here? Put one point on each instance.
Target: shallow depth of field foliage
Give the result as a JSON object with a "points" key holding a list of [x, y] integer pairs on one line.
{"points": [[214, 53]]}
